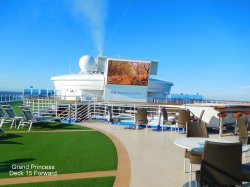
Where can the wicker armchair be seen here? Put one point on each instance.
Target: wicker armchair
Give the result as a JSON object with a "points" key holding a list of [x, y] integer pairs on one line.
{"points": [[183, 119], [194, 130], [112, 118], [165, 116], [166, 121], [221, 164], [141, 117]]}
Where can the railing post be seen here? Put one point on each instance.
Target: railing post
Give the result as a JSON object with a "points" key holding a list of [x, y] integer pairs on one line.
{"points": [[105, 110], [33, 105], [76, 112], [94, 110], [69, 115], [134, 115], [38, 108], [89, 110], [56, 109]]}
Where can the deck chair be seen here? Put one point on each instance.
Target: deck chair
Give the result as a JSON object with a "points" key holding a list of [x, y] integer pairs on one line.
{"points": [[167, 120], [10, 116], [112, 118], [194, 130], [164, 115], [183, 119], [29, 118], [141, 117], [2, 115], [221, 164]]}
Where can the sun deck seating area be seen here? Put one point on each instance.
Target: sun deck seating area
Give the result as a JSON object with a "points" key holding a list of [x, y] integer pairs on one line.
{"points": [[184, 120], [154, 146], [155, 159]]}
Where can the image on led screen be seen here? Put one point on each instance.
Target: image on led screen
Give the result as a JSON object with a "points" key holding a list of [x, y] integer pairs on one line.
{"points": [[128, 73]]}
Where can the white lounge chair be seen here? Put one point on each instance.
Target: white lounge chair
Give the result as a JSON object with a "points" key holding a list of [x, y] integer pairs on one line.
{"points": [[9, 116], [2, 115], [29, 118]]}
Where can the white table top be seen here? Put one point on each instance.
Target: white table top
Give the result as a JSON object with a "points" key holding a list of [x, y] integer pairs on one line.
{"points": [[197, 144]]}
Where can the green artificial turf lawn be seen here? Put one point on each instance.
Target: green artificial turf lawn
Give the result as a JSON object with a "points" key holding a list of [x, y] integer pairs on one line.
{"points": [[93, 182], [68, 152]]}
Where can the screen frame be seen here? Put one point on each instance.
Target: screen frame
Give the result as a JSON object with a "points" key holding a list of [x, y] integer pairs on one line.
{"points": [[128, 61]]}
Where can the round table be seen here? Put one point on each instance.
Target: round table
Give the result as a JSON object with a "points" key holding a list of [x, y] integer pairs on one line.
{"points": [[197, 144]]}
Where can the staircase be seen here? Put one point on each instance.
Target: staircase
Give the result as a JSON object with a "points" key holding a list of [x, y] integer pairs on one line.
{"points": [[76, 112]]}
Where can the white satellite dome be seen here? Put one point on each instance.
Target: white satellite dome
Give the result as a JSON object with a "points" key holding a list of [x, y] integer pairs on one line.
{"points": [[87, 64]]}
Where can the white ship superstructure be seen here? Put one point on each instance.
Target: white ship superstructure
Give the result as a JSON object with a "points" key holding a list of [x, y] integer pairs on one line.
{"points": [[92, 81]]}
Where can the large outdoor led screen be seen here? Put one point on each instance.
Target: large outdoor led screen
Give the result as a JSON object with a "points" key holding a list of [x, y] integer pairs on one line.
{"points": [[128, 73]]}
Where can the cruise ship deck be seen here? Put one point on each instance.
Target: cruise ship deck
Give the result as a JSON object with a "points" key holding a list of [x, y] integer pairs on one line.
{"points": [[154, 159]]}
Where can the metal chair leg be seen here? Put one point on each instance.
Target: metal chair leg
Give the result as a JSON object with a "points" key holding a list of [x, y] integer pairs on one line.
{"points": [[1, 124], [190, 172], [184, 165], [30, 126], [12, 123]]}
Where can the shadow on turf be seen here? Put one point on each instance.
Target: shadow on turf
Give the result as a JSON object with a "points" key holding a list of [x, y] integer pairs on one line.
{"points": [[4, 139], [52, 126], [6, 166]]}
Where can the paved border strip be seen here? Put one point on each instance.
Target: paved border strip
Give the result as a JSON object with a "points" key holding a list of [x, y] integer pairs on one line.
{"points": [[69, 176], [124, 168]]}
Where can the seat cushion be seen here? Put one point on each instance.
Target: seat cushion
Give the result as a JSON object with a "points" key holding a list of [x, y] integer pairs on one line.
{"points": [[192, 153], [195, 159], [193, 156], [245, 169]]}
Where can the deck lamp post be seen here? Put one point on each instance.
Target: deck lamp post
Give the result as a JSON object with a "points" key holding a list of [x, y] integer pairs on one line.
{"points": [[236, 115], [221, 116]]}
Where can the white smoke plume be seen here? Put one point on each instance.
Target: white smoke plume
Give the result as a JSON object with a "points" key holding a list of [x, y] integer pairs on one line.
{"points": [[94, 12]]}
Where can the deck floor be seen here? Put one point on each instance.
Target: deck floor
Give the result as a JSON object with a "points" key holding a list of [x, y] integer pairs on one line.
{"points": [[155, 160]]}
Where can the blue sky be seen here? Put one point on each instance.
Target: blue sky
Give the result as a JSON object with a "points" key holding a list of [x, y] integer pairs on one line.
{"points": [[203, 45]]}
